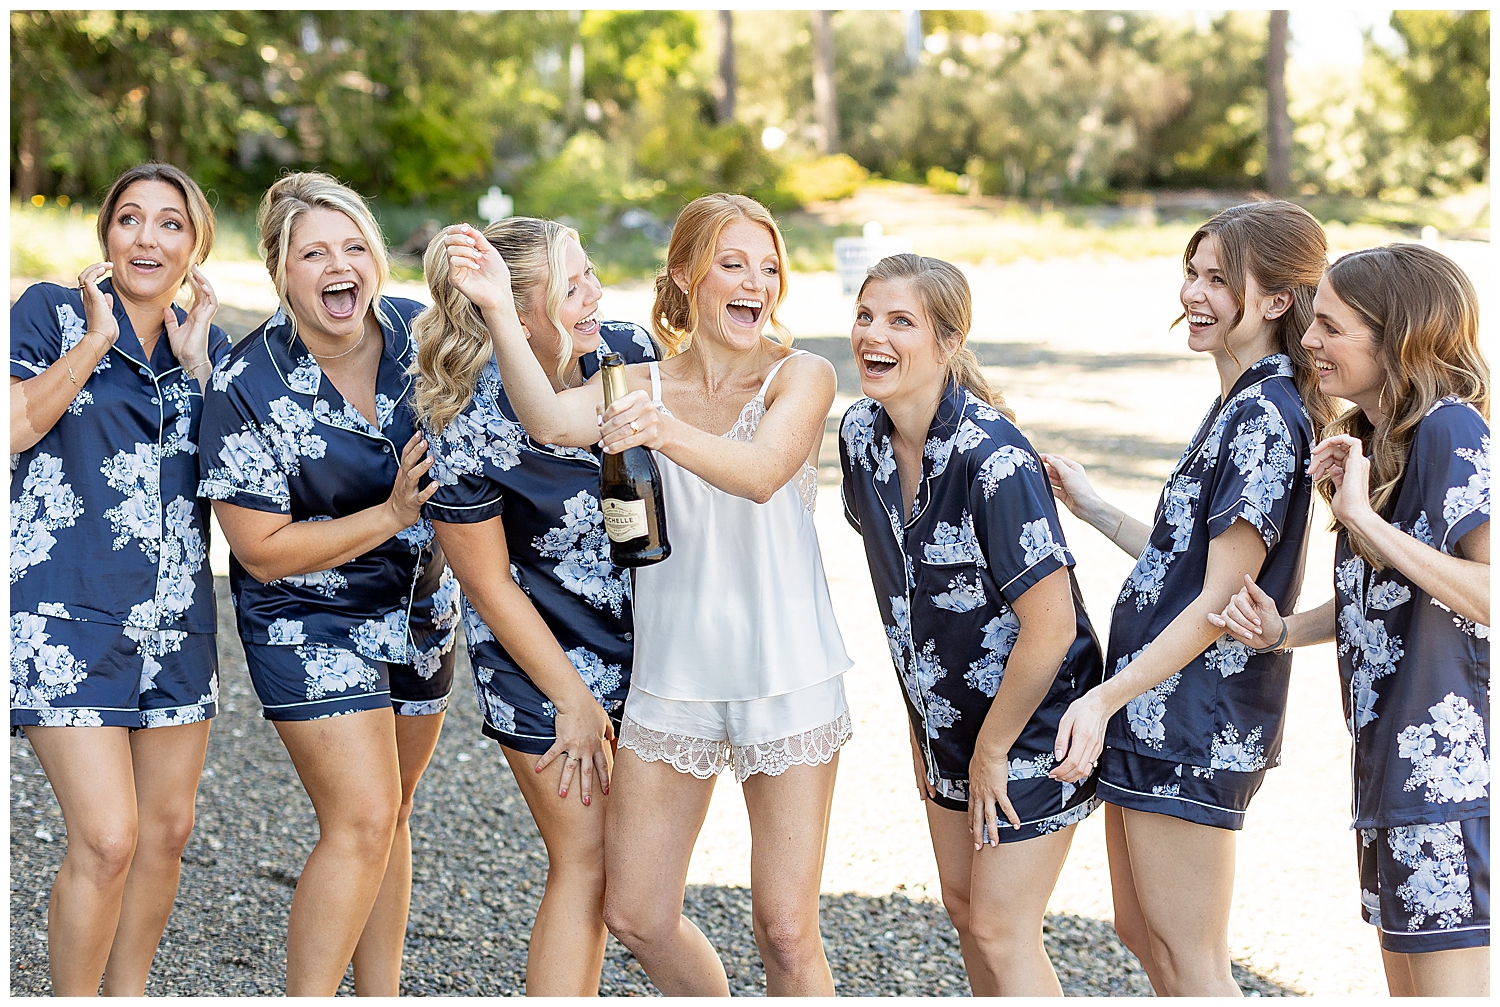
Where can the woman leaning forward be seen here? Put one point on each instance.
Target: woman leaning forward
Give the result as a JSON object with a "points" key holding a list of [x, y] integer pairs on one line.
{"points": [[546, 614], [986, 627]]}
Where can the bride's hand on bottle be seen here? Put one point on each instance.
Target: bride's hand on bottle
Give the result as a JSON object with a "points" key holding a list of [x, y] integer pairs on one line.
{"points": [[631, 422]]}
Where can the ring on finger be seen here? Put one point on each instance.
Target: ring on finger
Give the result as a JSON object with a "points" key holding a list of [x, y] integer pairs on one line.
{"points": [[635, 427]]}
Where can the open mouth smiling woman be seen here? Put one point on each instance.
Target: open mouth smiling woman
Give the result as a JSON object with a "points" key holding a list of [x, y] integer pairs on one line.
{"points": [[114, 672], [345, 605], [547, 615], [738, 659]]}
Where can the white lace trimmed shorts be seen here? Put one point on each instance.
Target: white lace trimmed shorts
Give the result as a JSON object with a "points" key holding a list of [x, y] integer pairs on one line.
{"points": [[768, 736]]}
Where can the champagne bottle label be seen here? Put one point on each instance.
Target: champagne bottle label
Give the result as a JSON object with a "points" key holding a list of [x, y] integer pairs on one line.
{"points": [[624, 520]]}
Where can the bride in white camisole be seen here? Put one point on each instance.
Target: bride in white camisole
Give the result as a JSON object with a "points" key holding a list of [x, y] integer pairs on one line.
{"points": [[738, 658], [740, 612]]}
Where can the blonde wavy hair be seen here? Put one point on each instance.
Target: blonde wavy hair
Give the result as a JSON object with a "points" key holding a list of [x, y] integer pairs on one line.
{"points": [[294, 194], [453, 343], [1284, 248], [1423, 316], [695, 237], [949, 306]]}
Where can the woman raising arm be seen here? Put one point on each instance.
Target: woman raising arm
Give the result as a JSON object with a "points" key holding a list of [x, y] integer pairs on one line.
{"points": [[548, 617], [738, 660], [743, 280]]}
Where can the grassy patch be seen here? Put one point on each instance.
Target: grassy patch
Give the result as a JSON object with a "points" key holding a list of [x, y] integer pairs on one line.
{"points": [[54, 243]]}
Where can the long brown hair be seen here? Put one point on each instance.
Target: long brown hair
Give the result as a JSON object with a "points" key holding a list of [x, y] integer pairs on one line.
{"points": [[1423, 316], [453, 343], [949, 307], [674, 313], [1285, 249]]}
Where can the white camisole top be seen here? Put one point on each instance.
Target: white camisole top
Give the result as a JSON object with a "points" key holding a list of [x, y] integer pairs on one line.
{"points": [[740, 610]]}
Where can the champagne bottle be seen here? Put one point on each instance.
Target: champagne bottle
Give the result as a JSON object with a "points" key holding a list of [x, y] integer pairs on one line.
{"points": [[630, 491]]}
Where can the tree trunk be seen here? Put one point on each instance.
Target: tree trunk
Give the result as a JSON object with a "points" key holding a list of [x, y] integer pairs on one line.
{"points": [[575, 69], [912, 23], [1278, 122], [825, 96], [726, 66], [27, 154]]}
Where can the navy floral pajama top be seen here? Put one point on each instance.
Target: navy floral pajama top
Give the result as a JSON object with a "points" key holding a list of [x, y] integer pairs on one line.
{"points": [[1416, 675], [278, 437], [1248, 461], [983, 530], [486, 465]]}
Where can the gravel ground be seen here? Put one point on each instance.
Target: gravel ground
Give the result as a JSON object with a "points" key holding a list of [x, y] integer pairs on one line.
{"points": [[479, 872]]}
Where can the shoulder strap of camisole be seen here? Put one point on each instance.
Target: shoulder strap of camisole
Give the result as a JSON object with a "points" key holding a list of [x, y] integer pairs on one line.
{"points": [[655, 383], [772, 376]]}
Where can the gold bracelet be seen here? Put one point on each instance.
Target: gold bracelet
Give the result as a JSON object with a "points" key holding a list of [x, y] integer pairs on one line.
{"points": [[1118, 525], [189, 370], [71, 376]]}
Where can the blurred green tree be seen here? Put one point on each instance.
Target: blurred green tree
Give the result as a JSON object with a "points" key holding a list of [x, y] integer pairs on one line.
{"points": [[95, 91], [652, 140], [428, 108], [1056, 103], [1444, 72]]}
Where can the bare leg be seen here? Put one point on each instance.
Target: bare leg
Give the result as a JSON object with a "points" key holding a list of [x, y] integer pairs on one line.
{"points": [[1462, 972], [788, 837], [352, 774], [1397, 973], [655, 814], [89, 769], [1184, 881], [566, 952], [1130, 922], [167, 762], [377, 957], [1001, 941]]}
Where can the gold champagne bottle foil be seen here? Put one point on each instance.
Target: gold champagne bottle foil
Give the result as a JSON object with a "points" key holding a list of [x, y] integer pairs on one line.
{"points": [[615, 386]]}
